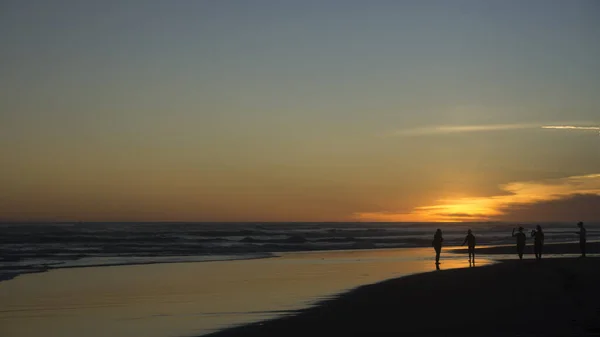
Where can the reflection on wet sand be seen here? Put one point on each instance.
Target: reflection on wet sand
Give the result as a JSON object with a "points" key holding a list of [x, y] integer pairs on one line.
{"points": [[193, 298]]}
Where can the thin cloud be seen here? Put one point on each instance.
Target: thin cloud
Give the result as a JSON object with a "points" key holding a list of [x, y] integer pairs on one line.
{"points": [[571, 127], [453, 129], [449, 129]]}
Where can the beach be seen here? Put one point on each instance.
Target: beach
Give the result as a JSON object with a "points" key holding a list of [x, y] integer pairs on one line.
{"points": [[84, 281], [193, 298], [555, 297]]}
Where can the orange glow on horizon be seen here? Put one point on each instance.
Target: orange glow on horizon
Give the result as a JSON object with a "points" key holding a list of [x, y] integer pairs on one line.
{"points": [[490, 208]]}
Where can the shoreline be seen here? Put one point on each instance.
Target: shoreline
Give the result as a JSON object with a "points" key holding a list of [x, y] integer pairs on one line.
{"points": [[554, 297], [549, 248], [9, 273]]}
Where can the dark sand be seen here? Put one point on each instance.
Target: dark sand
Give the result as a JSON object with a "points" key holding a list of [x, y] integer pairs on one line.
{"points": [[558, 297]]}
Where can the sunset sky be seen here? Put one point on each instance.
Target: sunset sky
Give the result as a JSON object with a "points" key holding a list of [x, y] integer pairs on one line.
{"points": [[217, 110]]}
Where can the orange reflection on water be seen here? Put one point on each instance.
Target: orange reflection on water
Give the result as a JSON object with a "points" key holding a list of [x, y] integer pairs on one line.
{"points": [[193, 298]]}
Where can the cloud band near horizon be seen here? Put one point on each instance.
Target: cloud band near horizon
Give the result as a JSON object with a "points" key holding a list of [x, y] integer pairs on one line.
{"points": [[451, 129], [517, 196]]}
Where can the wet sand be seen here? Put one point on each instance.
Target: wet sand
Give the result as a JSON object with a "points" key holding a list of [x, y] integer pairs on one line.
{"points": [[188, 299], [555, 297]]}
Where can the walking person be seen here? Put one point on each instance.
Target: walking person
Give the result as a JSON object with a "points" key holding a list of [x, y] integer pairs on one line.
{"points": [[437, 245], [582, 238], [538, 245], [521, 237], [470, 240]]}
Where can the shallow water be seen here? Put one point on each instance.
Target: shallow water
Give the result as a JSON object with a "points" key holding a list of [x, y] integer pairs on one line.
{"points": [[190, 299]]}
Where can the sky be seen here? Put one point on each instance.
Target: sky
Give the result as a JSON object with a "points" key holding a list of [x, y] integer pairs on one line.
{"points": [[149, 110]]}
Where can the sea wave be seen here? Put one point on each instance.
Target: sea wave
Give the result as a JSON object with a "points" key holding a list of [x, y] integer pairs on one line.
{"points": [[48, 245]]}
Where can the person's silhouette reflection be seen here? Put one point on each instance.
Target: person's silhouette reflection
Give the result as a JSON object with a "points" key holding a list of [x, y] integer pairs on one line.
{"points": [[582, 238], [437, 245], [520, 241]]}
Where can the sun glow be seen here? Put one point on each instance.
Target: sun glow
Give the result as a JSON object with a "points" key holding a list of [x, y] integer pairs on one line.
{"points": [[490, 208]]}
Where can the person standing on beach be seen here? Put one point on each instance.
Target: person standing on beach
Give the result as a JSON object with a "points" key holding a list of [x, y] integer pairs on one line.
{"points": [[538, 246], [582, 238], [520, 241], [437, 245], [470, 239]]}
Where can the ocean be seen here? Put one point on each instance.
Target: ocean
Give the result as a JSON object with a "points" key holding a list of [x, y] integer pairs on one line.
{"points": [[32, 247]]}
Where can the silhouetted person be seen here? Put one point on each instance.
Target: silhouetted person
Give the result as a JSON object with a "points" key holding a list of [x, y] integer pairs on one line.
{"points": [[470, 240], [437, 245], [521, 237], [582, 238], [538, 245]]}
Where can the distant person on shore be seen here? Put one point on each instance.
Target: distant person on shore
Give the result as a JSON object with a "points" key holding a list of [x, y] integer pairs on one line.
{"points": [[538, 246], [582, 238], [437, 245], [521, 237], [470, 239]]}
